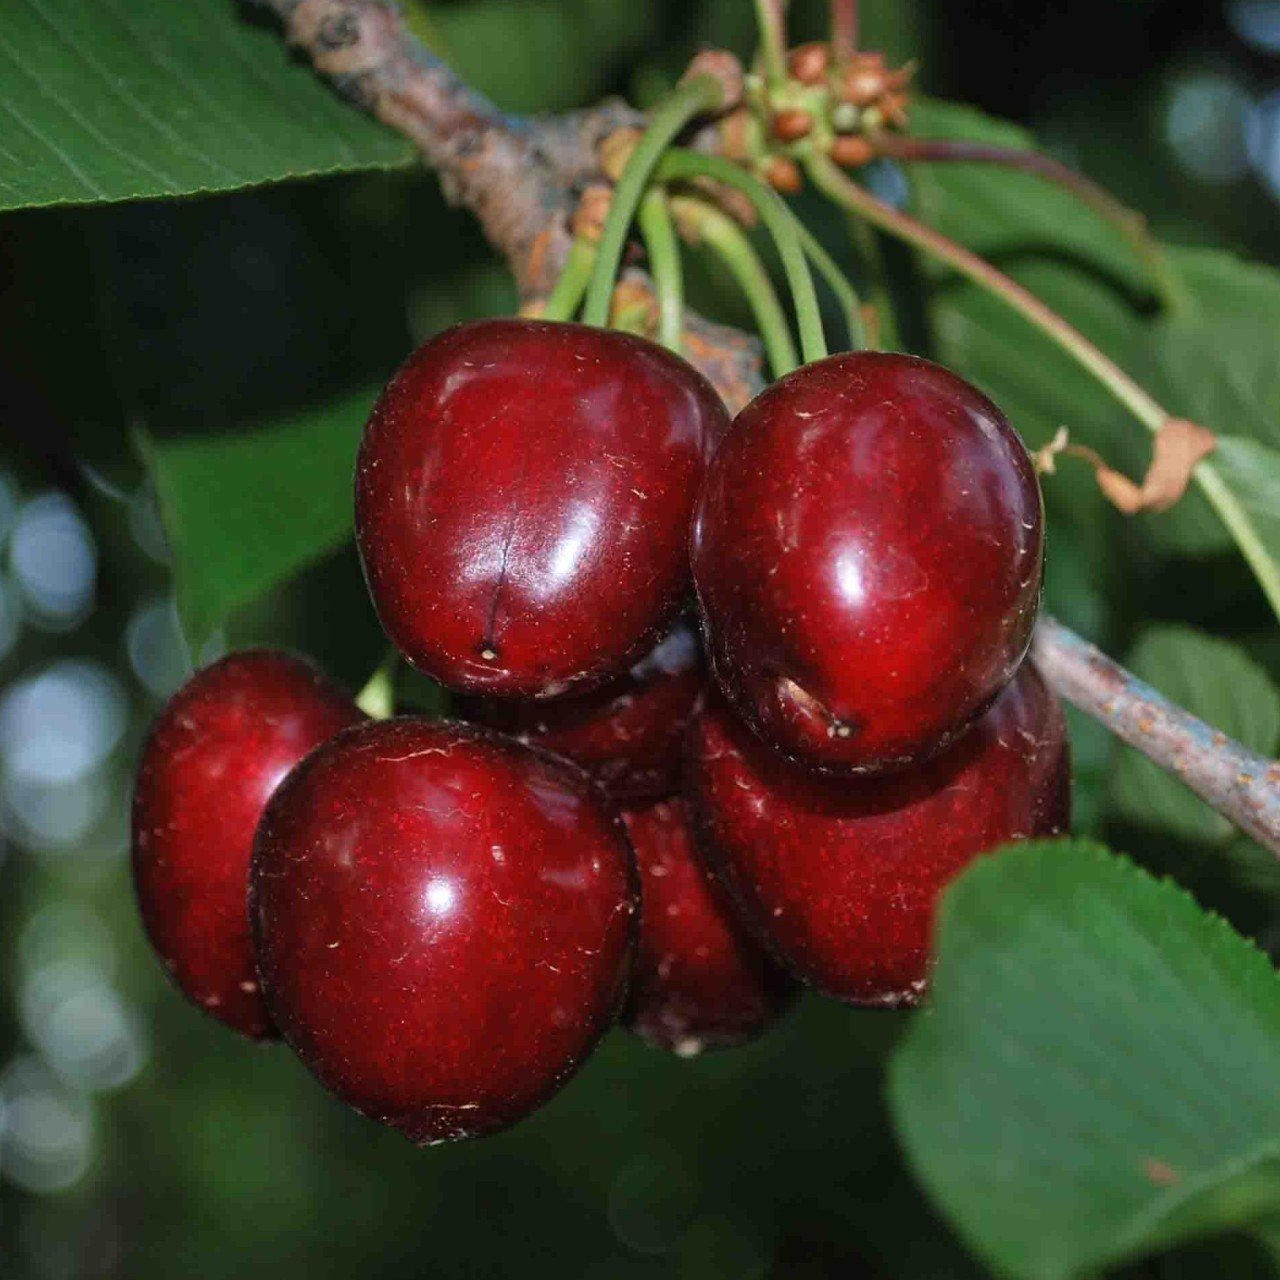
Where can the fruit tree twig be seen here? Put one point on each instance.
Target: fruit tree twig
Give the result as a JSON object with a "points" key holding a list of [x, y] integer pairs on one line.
{"points": [[1242, 785], [522, 179]]}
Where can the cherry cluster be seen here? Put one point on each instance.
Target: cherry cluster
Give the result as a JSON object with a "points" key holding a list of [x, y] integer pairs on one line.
{"points": [[442, 917]]}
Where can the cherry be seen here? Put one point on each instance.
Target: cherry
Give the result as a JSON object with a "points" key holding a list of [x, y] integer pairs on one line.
{"points": [[867, 551], [839, 876], [627, 734], [700, 982], [523, 497], [443, 919], [213, 757]]}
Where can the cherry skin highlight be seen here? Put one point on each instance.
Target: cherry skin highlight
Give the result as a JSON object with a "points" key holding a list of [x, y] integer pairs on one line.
{"points": [[213, 757], [523, 498], [867, 550], [840, 876], [443, 919], [628, 733], [700, 981]]}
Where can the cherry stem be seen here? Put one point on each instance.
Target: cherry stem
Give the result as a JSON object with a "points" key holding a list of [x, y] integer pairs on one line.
{"points": [[663, 248], [840, 285], [1239, 783], [378, 697], [867, 248], [564, 299], [847, 193], [773, 41], [703, 223], [1098, 198], [844, 30], [696, 96], [782, 225]]}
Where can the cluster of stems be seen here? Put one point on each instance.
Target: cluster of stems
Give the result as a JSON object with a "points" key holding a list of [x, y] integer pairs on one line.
{"points": [[661, 189]]}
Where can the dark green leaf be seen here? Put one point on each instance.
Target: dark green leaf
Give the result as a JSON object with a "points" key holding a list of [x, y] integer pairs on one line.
{"points": [[116, 100], [244, 511], [1214, 362], [999, 211], [1096, 1075], [1223, 686], [1252, 472], [1217, 351]]}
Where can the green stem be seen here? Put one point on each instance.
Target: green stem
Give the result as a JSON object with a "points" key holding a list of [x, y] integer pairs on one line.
{"points": [[664, 265], [563, 300], [839, 284], [781, 223], [869, 253], [772, 41], [1134, 397], [708, 225], [378, 698], [1131, 224], [693, 98]]}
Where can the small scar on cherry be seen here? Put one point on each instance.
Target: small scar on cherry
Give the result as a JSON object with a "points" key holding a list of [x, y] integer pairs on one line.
{"points": [[488, 653], [840, 729]]}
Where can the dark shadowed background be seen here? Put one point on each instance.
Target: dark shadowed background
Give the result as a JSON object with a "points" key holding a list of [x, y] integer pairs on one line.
{"points": [[140, 1140]]}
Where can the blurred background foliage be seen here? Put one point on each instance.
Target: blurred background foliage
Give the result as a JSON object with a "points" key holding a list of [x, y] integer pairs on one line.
{"points": [[139, 1140]]}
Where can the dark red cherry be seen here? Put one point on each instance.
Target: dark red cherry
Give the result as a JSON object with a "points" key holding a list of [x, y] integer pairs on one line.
{"points": [[840, 876], [700, 981], [628, 733], [523, 498], [214, 756], [867, 551], [443, 920]]}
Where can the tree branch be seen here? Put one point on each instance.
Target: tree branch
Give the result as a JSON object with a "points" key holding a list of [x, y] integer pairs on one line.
{"points": [[1242, 785], [523, 178]]}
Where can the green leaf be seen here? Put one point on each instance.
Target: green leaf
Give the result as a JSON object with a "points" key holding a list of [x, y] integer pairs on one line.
{"points": [[116, 100], [1222, 685], [244, 511], [1000, 212], [1214, 362], [1252, 472], [1216, 353], [1095, 1077]]}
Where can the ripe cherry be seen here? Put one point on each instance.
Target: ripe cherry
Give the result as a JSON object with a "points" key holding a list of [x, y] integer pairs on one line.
{"points": [[840, 876], [443, 919], [523, 497], [867, 551], [628, 733], [700, 981], [214, 756]]}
